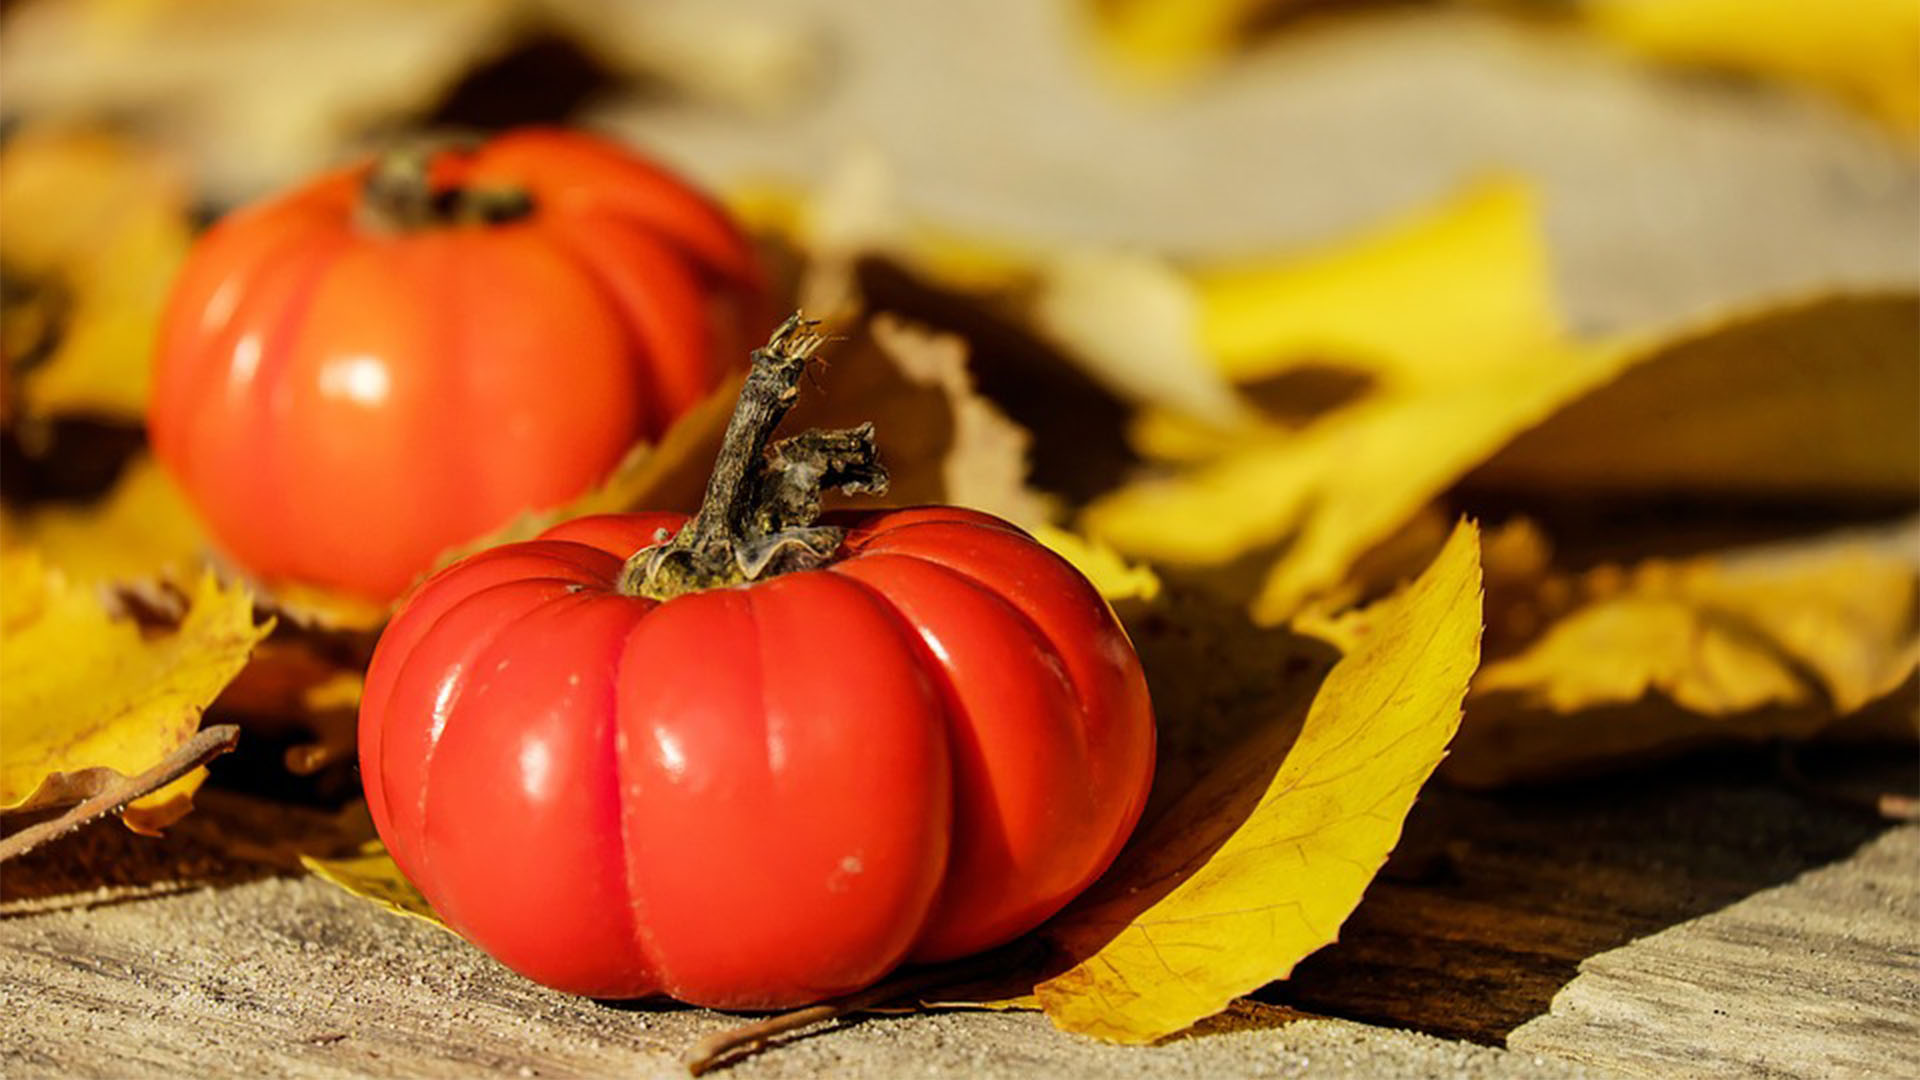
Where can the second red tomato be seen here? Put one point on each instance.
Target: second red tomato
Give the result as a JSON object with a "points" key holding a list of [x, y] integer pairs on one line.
{"points": [[361, 373]]}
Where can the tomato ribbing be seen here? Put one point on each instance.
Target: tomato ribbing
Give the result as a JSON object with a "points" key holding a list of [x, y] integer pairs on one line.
{"points": [[826, 746], [400, 356]]}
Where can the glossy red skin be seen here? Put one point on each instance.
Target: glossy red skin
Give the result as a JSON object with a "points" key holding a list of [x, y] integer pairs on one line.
{"points": [[761, 796], [343, 403]]}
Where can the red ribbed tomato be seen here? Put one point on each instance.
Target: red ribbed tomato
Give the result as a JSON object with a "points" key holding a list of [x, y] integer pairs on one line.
{"points": [[400, 356], [762, 794]]}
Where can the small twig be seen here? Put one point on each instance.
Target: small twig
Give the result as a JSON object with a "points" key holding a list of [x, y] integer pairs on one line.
{"points": [[206, 745], [716, 1048]]}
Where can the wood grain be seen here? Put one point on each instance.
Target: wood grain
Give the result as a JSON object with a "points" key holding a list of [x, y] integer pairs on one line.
{"points": [[1705, 919]]}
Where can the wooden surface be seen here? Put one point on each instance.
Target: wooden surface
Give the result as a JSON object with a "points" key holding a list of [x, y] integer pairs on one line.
{"points": [[1493, 903], [1817, 978], [1706, 918]]}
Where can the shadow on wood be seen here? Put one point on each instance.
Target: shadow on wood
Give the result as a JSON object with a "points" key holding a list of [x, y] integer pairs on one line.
{"points": [[228, 839], [1493, 901]]}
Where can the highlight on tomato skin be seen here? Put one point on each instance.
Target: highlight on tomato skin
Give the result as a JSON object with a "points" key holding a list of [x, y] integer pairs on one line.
{"points": [[759, 795], [397, 357]]}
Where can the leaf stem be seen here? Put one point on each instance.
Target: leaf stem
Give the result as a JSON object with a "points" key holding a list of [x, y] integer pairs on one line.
{"points": [[207, 744]]}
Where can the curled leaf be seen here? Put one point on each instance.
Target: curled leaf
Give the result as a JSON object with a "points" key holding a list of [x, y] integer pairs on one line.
{"points": [[1262, 860], [1478, 357], [179, 772], [940, 440], [1301, 333], [1747, 645], [1811, 398], [89, 697]]}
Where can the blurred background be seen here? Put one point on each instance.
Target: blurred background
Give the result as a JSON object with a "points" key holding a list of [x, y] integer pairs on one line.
{"points": [[1288, 274], [1689, 155]]}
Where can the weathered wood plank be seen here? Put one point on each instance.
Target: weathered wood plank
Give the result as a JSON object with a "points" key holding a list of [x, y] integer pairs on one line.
{"points": [[1818, 978], [289, 977], [1493, 903], [1492, 908]]}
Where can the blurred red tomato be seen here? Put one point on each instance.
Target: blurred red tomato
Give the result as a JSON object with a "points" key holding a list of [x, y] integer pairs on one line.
{"points": [[400, 356], [762, 795]]}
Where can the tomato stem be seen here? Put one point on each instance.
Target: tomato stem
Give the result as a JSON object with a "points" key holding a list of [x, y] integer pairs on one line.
{"points": [[398, 195], [758, 518]]}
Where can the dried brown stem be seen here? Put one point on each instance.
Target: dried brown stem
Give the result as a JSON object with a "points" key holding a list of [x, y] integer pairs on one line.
{"points": [[717, 1049], [398, 194], [757, 518], [207, 744]]}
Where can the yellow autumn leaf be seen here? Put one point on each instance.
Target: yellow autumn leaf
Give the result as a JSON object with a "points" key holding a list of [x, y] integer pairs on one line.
{"points": [[1455, 292], [101, 224], [1478, 357], [1259, 864], [371, 874], [1161, 40], [1720, 635], [1115, 577], [1320, 498], [1808, 399], [142, 528], [82, 690], [1466, 283], [1867, 52], [1758, 644]]}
